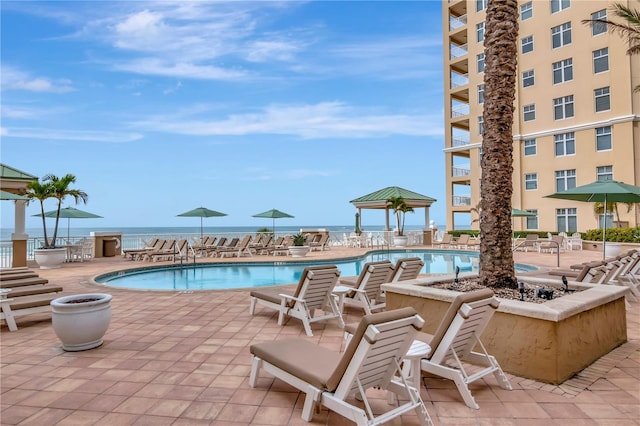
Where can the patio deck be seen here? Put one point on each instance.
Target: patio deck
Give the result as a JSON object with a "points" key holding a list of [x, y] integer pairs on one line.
{"points": [[182, 358]]}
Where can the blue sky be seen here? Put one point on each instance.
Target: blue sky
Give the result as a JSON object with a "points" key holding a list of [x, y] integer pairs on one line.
{"points": [[161, 107]]}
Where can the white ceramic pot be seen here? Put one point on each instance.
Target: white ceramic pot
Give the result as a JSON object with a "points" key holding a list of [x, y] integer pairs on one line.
{"points": [[81, 320], [51, 258], [400, 241], [298, 251]]}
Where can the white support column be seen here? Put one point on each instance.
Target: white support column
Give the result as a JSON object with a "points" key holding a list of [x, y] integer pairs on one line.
{"points": [[426, 218], [386, 220], [19, 232]]}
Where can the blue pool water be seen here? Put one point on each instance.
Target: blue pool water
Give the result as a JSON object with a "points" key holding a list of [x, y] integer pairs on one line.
{"points": [[222, 276]]}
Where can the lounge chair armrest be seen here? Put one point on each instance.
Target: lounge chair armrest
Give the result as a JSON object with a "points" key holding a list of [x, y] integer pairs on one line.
{"points": [[290, 297]]}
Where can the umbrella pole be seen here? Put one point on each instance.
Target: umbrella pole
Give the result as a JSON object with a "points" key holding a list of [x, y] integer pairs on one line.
{"points": [[604, 229], [201, 234]]}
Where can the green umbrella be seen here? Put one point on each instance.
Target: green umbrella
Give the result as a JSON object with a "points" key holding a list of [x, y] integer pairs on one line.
{"points": [[202, 212], [606, 191], [69, 213], [4, 195], [273, 214]]}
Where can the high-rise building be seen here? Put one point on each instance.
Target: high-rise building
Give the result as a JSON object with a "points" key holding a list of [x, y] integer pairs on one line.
{"points": [[575, 119]]}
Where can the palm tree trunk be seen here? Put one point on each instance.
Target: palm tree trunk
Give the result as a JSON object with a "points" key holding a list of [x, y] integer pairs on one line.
{"points": [[496, 256]]}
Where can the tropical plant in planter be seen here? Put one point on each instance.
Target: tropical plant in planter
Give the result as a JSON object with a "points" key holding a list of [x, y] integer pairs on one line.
{"points": [[400, 209], [298, 249], [51, 186]]}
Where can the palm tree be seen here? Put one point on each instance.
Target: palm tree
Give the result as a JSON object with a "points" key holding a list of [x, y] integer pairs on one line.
{"points": [[60, 190], [496, 257], [629, 29], [399, 207], [51, 186]]}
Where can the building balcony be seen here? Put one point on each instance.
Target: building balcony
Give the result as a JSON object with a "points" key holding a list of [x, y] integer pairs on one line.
{"points": [[456, 22], [458, 51], [460, 110], [459, 80], [460, 171], [459, 142]]}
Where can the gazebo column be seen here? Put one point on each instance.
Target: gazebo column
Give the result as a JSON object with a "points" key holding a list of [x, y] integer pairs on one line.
{"points": [[19, 237], [426, 218], [386, 220]]}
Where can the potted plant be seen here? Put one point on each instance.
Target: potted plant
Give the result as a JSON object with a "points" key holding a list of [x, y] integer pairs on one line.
{"points": [[50, 186], [81, 320], [400, 208], [298, 249]]}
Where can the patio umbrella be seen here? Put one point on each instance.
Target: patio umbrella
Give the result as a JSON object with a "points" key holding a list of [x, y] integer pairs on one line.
{"points": [[201, 212], [70, 213], [606, 191], [5, 195], [273, 214]]}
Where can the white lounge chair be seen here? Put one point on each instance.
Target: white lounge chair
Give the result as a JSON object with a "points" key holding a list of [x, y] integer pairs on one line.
{"points": [[314, 292], [332, 379], [366, 292], [453, 343]]}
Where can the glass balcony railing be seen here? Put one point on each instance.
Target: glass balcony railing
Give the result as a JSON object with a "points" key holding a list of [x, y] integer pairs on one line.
{"points": [[459, 142], [461, 200], [458, 80], [460, 171], [459, 111], [456, 22], [457, 51]]}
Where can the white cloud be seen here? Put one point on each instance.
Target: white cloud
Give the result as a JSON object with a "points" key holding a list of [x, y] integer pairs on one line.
{"points": [[71, 135], [15, 79], [315, 121]]}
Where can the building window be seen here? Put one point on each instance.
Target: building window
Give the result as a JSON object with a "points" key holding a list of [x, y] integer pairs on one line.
{"points": [[603, 101], [480, 61], [480, 125], [480, 93], [561, 35], [481, 5], [599, 27], [480, 32], [567, 220], [530, 147], [563, 107], [604, 173], [528, 78], [558, 5], [609, 220], [526, 11], [601, 60], [562, 71], [565, 179], [603, 138], [529, 112], [532, 221], [527, 44], [565, 144], [531, 181]]}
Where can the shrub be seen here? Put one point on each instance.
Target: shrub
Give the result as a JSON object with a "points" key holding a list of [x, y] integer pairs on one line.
{"points": [[620, 235]]}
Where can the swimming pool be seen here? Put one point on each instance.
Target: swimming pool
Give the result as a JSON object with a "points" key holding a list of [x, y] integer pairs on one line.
{"points": [[223, 276]]}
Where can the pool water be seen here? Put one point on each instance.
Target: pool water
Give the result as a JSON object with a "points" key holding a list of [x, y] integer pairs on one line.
{"points": [[222, 276]]}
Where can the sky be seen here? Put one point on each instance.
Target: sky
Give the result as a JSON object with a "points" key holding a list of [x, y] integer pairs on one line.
{"points": [[240, 107]]}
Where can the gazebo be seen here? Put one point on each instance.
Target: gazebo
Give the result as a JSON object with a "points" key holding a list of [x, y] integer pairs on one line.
{"points": [[12, 182], [378, 200]]}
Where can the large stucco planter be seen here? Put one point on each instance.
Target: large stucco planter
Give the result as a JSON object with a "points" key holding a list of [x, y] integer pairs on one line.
{"points": [[548, 342], [50, 258], [81, 320]]}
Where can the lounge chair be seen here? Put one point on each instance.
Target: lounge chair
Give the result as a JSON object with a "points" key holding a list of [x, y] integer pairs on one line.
{"points": [[592, 272], [556, 243], [23, 296], [445, 242], [269, 248], [212, 249], [331, 379], [365, 291], [137, 254], [453, 343], [462, 242], [242, 248], [321, 244], [167, 248], [530, 242], [178, 250], [406, 269], [314, 292]]}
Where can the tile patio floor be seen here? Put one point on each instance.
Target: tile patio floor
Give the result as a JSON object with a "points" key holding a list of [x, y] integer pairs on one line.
{"points": [[183, 359]]}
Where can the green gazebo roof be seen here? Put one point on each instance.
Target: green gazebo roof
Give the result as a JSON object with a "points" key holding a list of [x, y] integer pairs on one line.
{"points": [[10, 173], [378, 199]]}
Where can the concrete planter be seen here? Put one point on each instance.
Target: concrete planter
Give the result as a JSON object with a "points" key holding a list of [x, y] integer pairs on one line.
{"points": [[299, 251], [81, 320], [548, 342], [400, 240], [51, 258]]}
